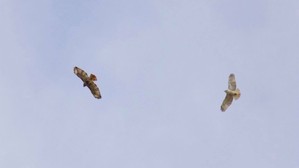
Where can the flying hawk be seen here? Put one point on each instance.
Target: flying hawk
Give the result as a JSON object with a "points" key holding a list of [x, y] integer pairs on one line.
{"points": [[88, 81], [231, 93]]}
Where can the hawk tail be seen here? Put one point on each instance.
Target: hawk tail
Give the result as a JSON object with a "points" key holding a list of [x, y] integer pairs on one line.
{"points": [[237, 96], [92, 77]]}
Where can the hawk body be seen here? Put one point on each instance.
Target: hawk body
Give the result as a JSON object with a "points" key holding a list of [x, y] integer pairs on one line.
{"points": [[231, 93], [88, 81]]}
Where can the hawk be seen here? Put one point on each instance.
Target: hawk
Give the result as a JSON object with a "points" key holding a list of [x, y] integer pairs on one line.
{"points": [[88, 81], [231, 93]]}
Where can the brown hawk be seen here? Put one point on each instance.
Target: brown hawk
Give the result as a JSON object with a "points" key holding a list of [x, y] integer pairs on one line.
{"points": [[88, 81], [231, 93]]}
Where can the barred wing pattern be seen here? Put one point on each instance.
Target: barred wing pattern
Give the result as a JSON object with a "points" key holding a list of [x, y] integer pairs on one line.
{"points": [[88, 81], [226, 102], [232, 82]]}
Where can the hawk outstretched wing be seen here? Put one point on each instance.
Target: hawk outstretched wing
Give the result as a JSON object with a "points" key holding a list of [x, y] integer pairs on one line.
{"points": [[226, 102], [88, 81], [232, 82]]}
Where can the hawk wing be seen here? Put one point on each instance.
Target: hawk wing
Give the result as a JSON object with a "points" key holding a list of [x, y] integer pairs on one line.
{"points": [[226, 102], [232, 82], [94, 89], [81, 74], [88, 81]]}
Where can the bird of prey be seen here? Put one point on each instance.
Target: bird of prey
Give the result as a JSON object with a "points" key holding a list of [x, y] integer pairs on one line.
{"points": [[88, 81], [231, 93]]}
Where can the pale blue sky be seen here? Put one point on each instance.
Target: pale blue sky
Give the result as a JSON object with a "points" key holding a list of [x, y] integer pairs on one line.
{"points": [[162, 67]]}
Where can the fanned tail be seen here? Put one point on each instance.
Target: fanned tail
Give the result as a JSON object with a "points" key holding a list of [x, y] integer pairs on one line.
{"points": [[93, 77], [237, 96]]}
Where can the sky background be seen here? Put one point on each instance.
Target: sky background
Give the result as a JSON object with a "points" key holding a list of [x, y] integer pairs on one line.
{"points": [[162, 68]]}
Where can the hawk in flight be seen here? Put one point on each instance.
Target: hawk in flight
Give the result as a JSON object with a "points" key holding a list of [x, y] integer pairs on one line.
{"points": [[231, 93], [88, 81]]}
